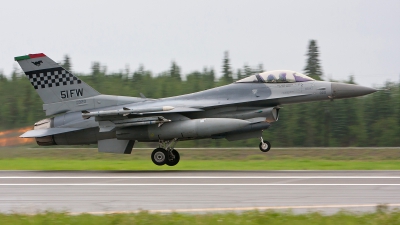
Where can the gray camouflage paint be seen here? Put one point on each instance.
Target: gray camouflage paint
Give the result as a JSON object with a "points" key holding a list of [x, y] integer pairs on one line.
{"points": [[236, 111]]}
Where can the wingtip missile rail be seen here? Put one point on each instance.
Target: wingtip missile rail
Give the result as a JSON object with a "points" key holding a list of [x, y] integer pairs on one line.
{"points": [[125, 111]]}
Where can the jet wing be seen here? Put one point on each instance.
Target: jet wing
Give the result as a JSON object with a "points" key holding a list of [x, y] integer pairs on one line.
{"points": [[47, 132]]}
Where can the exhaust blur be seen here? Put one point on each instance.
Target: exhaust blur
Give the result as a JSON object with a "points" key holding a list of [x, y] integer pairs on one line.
{"points": [[11, 137]]}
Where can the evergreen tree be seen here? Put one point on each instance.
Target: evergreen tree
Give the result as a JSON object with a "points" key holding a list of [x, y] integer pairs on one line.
{"points": [[67, 63], [313, 68], [175, 71], [240, 74], [226, 69], [209, 78], [96, 70], [194, 81], [138, 75], [140, 82], [260, 68], [3, 78], [351, 80], [97, 75], [247, 70]]}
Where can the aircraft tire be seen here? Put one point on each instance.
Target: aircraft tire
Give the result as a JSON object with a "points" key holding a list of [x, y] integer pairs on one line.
{"points": [[265, 146], [174, 161], [159, 156]]}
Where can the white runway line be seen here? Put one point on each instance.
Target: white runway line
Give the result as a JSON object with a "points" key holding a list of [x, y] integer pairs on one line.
{"points": [[204, 177], [166, 184], [239, 209]]}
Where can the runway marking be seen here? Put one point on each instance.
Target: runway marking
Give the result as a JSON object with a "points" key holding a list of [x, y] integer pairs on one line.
{"points": [[233, 184], [205, 177], [241, 208]]}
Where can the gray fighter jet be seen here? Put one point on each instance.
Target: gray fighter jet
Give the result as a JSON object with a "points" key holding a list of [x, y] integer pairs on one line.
{"points": [[241, 110]]}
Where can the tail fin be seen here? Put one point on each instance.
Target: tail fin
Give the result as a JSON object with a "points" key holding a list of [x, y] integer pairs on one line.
{"points": [[52, 82]]}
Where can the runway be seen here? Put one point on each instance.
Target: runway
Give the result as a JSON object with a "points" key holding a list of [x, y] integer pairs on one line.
{"points": [[200, 191]]}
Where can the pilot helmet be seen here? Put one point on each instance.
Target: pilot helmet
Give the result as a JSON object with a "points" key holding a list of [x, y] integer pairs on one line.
{"points": [[271, 78]]}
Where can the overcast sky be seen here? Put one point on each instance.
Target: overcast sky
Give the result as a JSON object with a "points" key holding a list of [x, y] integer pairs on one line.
{"points": [[354, 37]]}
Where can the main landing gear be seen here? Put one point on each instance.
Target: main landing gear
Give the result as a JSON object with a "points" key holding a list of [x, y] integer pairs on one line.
{"points": [[166, 154], [265, 146]]}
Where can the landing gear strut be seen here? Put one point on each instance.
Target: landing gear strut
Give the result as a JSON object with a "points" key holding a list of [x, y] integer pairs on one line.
{"points": [[265, 146], [165, 153]]}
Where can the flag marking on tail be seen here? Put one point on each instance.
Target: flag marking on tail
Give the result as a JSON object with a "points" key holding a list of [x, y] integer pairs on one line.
{"points": [[30, 56]]}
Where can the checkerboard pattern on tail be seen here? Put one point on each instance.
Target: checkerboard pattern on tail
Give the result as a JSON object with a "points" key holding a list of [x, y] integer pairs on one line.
{"points": [[51, 78], [53, 83]]}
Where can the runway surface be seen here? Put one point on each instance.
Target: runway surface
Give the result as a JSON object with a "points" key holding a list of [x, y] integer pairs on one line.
{"points": [[200, 191]]}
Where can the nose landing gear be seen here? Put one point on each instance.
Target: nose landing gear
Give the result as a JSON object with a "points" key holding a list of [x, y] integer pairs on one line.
{"points": [[264, 146], [165, 153]]}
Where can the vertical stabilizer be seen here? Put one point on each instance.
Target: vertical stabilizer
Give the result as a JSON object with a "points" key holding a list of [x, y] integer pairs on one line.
{"points": [[52, 82]]}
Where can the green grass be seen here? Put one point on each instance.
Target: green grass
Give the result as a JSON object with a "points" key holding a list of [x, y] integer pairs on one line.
{"points": [[25, 158], [246, 218], [282, 164]]}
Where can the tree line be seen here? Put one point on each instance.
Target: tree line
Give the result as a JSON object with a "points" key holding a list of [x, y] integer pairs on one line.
{"points": [[372, 120]]}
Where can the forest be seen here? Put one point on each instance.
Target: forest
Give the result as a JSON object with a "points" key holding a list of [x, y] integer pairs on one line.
{"points": [[372, 120]]}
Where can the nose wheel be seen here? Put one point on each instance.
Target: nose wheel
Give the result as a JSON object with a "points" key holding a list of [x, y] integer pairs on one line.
{"points": [[264, 146]]}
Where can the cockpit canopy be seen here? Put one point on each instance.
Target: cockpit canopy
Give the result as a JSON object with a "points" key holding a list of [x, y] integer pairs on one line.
{"points": [[276, 76]]}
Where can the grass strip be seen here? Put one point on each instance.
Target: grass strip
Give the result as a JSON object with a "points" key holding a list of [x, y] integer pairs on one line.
{"points": [[288, 164], [245, 218]]}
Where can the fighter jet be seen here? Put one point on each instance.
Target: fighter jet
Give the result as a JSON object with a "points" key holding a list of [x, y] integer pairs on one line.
{"points": [[79, 115]]}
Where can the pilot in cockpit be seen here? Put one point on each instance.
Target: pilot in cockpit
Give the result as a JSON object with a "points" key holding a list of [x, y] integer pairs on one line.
{"points": [[282, 77], [271, 79]]}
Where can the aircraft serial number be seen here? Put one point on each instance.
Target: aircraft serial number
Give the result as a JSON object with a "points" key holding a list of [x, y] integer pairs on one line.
{"points": [[71, 93], [80, 102]]}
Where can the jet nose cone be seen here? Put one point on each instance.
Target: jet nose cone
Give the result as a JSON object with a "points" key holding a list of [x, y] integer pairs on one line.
{"points": [[340, 90]]}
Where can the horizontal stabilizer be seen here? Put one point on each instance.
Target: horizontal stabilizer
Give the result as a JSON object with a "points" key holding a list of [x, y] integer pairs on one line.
{"points": [[47, 132]]}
